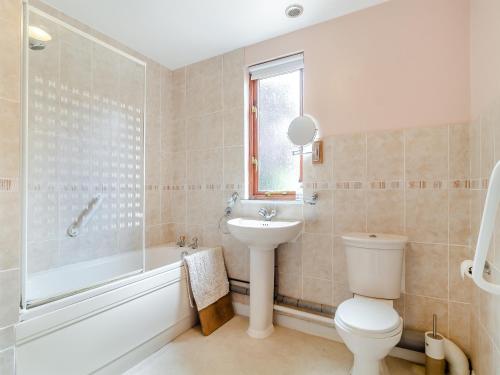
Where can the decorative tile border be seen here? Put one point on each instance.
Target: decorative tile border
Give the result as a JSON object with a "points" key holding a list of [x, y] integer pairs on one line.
{"points": [[398, 185], [9, 185]]}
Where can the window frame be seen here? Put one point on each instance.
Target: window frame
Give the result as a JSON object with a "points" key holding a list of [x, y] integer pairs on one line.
{"points": [[253, 156]]}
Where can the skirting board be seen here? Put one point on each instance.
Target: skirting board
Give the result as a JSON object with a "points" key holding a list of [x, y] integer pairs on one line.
{"points": [[319, 326]]}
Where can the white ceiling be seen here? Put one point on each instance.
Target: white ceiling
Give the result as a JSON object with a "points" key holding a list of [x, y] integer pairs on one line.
{"points": [[180, 32]]}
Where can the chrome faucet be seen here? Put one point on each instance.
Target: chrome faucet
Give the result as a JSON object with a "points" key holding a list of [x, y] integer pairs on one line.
{"points": [[194, 244], [266, 214], [182, 241]]}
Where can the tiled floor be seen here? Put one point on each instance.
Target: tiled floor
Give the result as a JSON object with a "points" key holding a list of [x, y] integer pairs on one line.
{"points": [[230, 351]]}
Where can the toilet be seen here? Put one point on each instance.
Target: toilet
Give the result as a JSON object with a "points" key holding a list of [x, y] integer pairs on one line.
{"points": [[368, 322]]}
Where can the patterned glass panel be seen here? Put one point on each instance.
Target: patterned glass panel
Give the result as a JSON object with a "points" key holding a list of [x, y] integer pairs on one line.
{"points": [[85, 138], [279, 103]]}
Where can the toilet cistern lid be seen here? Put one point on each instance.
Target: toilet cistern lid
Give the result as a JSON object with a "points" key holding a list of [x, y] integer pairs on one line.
{"points": [[369, 316], [375, 240]]}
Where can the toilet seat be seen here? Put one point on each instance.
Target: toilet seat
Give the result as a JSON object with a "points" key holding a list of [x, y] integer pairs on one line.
{"points": [[368, 318]]}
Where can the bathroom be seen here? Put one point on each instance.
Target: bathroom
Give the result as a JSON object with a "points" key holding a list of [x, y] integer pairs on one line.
{"points": [[136, 136]]}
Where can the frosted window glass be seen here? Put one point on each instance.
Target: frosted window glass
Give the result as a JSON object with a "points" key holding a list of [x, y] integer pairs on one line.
{"points": [[279, 102]]}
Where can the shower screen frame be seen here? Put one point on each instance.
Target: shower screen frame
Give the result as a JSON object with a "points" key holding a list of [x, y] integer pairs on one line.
{"points": [[27, 9]]}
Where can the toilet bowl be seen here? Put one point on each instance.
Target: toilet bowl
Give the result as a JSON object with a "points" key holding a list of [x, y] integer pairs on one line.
{"points": [[370, 329], [368, 323]]}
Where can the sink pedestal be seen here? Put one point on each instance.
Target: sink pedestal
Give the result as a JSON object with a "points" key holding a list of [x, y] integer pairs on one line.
{"points": [[262, 237], [261, 291]]}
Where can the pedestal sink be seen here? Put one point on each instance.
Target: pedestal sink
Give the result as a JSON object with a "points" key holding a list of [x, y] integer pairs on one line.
{"points": [[262, 237]]}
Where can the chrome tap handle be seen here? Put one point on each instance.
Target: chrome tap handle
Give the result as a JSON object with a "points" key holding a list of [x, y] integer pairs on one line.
{"points": [[266, 214], [194, 244], [263, 212], [181, 242]]}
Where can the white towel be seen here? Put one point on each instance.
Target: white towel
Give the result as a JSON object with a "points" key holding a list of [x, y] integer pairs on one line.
{"points": [[207, 276]]}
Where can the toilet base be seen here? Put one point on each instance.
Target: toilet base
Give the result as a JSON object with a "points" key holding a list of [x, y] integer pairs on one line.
{"points": [[363, 366]]}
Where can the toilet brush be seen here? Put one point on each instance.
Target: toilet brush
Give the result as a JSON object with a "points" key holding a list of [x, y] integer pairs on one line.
{"points": [[434, 351]]}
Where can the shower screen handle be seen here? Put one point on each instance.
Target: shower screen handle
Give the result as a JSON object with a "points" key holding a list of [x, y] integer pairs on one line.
{"points": [[84, 217], [486, 233]]}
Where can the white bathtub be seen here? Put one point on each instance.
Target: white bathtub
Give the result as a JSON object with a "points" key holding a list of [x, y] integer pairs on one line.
{"points": [[109, 328]]}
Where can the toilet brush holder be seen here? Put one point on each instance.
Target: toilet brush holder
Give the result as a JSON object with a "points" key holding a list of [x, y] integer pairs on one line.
{"points": [[434, 351]]}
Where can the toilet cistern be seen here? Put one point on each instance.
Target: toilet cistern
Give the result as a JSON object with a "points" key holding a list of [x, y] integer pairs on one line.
{"points": [[368, 324]]}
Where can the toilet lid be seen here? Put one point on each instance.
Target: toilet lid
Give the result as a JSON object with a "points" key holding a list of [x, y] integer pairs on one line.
{"points": [[367, 316]]}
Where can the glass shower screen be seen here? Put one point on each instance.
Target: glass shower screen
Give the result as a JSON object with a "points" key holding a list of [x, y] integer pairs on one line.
{"points": [[84, 161]]}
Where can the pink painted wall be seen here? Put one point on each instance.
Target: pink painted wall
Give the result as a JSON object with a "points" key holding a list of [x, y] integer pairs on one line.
{"points": [[404, 63], [485, 54]]}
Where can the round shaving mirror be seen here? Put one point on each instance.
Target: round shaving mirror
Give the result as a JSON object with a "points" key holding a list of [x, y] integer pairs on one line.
{"points": [[302, 130]]}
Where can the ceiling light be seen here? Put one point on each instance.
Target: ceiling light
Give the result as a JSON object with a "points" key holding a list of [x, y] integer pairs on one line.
{"points": [[294, 11]]}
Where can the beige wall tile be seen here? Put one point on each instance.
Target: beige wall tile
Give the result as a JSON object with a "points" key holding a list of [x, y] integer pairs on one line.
{"points": [[349, 157], [9, 295], [289, 257], [317, 254], [176, 168], [10, 9], [237, 258], [474, 144], [10, 117], [214, 204], [153, 207], [234, 79], [341, 290], [385, 156], [426, 153], [419, 311], [213, 171], [427, 270], [319, 218], [154, 235], [211, 235], [350, 211], [10, 230], [460, 290], [176, 207], [234, 126], [172, 231], [10, 82], [195, 207], [385, 211], [459, 216], [460, 317], [195, 169], [320, 172], [175, 137], [289, 285], [427, 215], [459, 152], [317, 290], [233, 166], [10, 159]]}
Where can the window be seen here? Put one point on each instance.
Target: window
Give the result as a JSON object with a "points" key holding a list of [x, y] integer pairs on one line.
{"points": [[275, 100]]}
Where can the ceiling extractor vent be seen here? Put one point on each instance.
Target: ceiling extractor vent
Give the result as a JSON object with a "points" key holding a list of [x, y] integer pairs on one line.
{"points": [[294, 11]]}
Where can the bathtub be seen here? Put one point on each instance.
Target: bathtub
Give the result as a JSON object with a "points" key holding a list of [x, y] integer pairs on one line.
{"points": [[107, 329]]}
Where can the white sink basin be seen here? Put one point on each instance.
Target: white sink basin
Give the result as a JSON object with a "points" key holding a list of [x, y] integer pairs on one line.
{"points": [[268, 234], [262, 237]]}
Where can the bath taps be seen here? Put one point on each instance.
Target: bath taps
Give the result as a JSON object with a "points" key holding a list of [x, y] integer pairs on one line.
{"points": [[194, 244], [266, 214], [182, 241]]}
